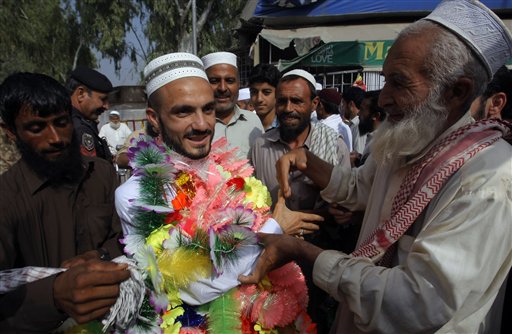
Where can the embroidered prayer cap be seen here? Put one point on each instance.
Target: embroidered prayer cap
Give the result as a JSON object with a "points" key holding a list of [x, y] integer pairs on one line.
{"points": [[216, 58], [92, 79], [244, 94], [173, 66], [318, 86], [481, 29], [330, 95], [304, 74], [114, 113]]}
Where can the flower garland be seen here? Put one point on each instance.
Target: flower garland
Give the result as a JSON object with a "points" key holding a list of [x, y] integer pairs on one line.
{"points": [[193, 219]]}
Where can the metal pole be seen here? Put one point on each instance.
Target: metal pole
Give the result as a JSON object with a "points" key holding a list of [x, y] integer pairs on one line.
{"points": [[194, 34]]}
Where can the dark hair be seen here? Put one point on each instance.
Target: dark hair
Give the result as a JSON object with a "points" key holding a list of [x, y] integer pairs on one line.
{"points": [[293, 77], [329, 107], [354, 94], [265, 73], [501, 82], [373, 97], [41, 93], [72, 84]]}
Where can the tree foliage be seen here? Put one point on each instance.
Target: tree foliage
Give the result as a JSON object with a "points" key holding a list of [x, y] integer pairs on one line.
{"points": [[36, 37], [54, 36]]}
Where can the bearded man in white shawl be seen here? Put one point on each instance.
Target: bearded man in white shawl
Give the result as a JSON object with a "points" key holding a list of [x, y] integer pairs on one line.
{"points": [[435, 245]]}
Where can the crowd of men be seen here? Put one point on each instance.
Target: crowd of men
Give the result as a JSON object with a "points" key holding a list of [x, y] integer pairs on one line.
{"points": [[405, 191]]}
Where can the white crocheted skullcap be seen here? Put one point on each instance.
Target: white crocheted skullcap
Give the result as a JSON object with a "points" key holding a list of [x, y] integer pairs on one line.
{"points": [[481, 29], [304, 74], [114, 113], [244, 94], [318, 86], [221, 57], [173, 66]]}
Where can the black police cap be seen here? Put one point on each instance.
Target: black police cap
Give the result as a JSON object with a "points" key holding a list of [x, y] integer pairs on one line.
{"points": [[93, 79]]}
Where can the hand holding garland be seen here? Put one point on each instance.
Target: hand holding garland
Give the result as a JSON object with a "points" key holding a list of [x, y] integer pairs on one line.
{"points": [[279, 250], [88, 289]]}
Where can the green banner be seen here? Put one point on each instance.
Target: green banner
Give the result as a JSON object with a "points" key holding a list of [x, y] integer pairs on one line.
{"points": [[342, 54]]}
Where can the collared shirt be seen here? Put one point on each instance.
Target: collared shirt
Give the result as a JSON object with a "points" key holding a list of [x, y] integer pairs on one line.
{"points": [[42, 225], [241, 131], [449, 266], [273, 125], [86, 132], [268, 149], [358, 141], [336, 123]]}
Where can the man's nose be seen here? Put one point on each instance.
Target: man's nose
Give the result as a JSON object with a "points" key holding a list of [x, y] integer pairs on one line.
{"points": [[222, 86], [54, 136], [200, 121]]}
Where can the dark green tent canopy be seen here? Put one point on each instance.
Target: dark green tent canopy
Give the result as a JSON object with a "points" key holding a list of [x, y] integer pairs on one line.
{"points": [[352, 54]]}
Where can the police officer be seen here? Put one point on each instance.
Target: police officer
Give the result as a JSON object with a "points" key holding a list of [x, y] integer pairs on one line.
{"points": [[89, 97]]}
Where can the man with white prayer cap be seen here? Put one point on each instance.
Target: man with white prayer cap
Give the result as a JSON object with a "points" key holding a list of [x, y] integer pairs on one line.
{"points": [[244, 99], [181, 107], [240, 127], [435, 246]]}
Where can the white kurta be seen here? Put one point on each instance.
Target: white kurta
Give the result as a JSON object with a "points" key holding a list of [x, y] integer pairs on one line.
{"points": [[205, 289], [115, 137], [336, 122], [449, 267]]}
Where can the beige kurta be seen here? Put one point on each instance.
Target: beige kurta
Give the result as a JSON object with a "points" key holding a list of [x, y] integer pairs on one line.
{"points": [[450, 265]]}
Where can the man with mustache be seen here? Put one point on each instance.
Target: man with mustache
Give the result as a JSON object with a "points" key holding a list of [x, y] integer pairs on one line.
{"points": [[57, 210], [89, 96], [295, 101], [436, 241], [239, 126], [370, 118]]}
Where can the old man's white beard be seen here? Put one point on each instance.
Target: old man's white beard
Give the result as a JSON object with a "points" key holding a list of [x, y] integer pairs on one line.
{"points": [[408, 137]]}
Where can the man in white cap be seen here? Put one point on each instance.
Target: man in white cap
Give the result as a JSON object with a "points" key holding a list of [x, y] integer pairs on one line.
{"points": [[115, 132], [244, 100], [296, 98], [295, 101], [239, 126], [436, 241], [181, 107]]}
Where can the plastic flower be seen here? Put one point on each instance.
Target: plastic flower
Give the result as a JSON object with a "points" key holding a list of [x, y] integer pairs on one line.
{"points": [[146, 260], [169, 323], [257, 193], [157, 237]]}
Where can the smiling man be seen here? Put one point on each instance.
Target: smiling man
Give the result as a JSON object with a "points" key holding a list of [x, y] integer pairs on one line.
{"points": [[57, 210], [436, 240], [240, 127], [89, 96]]}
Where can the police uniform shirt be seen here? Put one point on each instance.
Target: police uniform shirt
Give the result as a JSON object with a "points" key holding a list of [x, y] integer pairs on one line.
{"points": [[87, 134]]}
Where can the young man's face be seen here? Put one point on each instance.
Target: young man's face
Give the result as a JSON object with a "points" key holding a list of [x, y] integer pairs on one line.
{"points": [[48, 137], [263, 98], [184, 113]]}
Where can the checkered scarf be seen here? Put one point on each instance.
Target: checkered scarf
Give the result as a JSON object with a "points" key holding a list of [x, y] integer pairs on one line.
{"points": [[425, 179]]}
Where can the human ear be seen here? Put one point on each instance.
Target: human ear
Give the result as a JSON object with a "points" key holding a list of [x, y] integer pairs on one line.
{"points": [[80, 93], [315, 102], [152, 117], [497, 104], [458, 95]]}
